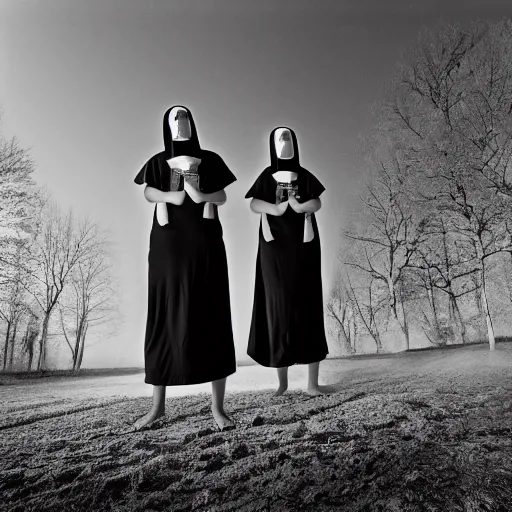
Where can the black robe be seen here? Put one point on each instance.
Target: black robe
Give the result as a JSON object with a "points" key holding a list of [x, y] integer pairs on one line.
{"points": [[189, 338], [288, 318]]}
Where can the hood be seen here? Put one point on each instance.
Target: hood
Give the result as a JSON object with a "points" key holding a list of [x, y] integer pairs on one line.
{"points": [[287, 164], [177, 148]]}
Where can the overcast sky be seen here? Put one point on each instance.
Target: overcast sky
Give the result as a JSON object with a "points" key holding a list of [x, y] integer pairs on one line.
{"points": [[85, 85]]}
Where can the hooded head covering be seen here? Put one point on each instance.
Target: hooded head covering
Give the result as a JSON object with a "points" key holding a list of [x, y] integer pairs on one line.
{"points": [[215, 174], [174, 148], [284, 164], [265, 186]]}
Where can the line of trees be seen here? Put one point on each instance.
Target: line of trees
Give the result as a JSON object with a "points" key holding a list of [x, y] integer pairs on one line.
{"points": [[56, 278], [435, 220]]}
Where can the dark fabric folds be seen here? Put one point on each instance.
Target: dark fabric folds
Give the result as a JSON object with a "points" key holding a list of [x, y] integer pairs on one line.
{"points": [[287, 325], [189, 338], [214, 174]]}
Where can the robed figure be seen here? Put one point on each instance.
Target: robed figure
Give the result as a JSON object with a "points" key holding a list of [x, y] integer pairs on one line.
{"points": [[287, 324], [189, 338]]}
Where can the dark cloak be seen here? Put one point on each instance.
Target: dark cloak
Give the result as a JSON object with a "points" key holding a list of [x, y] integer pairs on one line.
{"points": [[287, 324], [189, 338]]}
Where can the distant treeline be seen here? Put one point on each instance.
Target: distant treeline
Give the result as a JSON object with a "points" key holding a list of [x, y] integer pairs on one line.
{"points": [[428, 251], [56, 280]]}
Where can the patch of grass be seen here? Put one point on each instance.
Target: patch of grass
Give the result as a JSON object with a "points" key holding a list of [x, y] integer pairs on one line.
{"points": [[499, 339], [84, 372], [367, 461], [370, 446]]}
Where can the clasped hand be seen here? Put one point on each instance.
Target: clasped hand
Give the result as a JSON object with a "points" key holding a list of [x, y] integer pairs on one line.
{"points": [[190, 187], [294, 203], [189, 183]]}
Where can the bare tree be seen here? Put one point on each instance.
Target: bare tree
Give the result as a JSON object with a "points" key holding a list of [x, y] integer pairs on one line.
{"points": [[482, 119], [445, 264], [484, 225], [11, 312], [431, 323], [478, 221], [61, 243], [368, 309], [91, 300], [30, 337], [448, 120], [19, 200], [17, 191], [341, 309], [390, 240]]}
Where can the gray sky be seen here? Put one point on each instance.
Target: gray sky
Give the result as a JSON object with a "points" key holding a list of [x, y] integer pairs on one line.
{"points": [[85, 86]]}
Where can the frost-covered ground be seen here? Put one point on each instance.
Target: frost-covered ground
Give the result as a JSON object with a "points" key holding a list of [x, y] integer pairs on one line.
{"points": [[415, 431]]}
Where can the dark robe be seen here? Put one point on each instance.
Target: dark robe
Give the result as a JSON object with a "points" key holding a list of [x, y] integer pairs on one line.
{"points": [[288, 317], [189, 338]]}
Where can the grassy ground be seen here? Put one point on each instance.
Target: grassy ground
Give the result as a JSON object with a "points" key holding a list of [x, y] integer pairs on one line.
{"points": [[431, 432], [10, 377]]}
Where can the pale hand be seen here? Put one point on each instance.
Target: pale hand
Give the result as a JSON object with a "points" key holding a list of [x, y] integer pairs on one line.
{"points": [[189, 183], [294, 203]]}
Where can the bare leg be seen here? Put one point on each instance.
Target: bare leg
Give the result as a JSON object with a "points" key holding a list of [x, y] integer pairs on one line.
{"points": [[282, 375], [156, 411], [220, 417], [313, 387]]}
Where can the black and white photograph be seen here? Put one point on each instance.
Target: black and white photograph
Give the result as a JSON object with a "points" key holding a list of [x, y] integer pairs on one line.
{"points": [[256, 255]]}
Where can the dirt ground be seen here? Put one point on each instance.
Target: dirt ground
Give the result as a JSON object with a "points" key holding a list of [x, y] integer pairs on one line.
{"points": [[418, 431]]}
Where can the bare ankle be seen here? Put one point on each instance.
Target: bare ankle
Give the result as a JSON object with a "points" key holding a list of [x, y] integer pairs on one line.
{"points": [[281, 390], [218, 409]]}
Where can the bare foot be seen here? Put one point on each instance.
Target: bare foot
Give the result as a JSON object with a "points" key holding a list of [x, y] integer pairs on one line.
{"points": [[317, 391], [222, 420], [147, 419], [280, 390]]}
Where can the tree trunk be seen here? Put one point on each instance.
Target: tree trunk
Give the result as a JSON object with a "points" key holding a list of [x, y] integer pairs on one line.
{"points": [[403, 325], [406, 329], [42, 343], [376, 335], [13, 341], [485, 305], [374, 331], [79, 337], [459, 319], [354, 335], [378, 342], [437, 326], [345, 342], [30, 355], [6, 345], [76, 349], [481, 312], [453, 320], [82, 347], [31, 341], [342, 337]]}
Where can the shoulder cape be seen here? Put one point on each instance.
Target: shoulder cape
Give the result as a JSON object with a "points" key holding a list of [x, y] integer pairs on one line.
{"points": [[264, 188], [214, 174]]}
